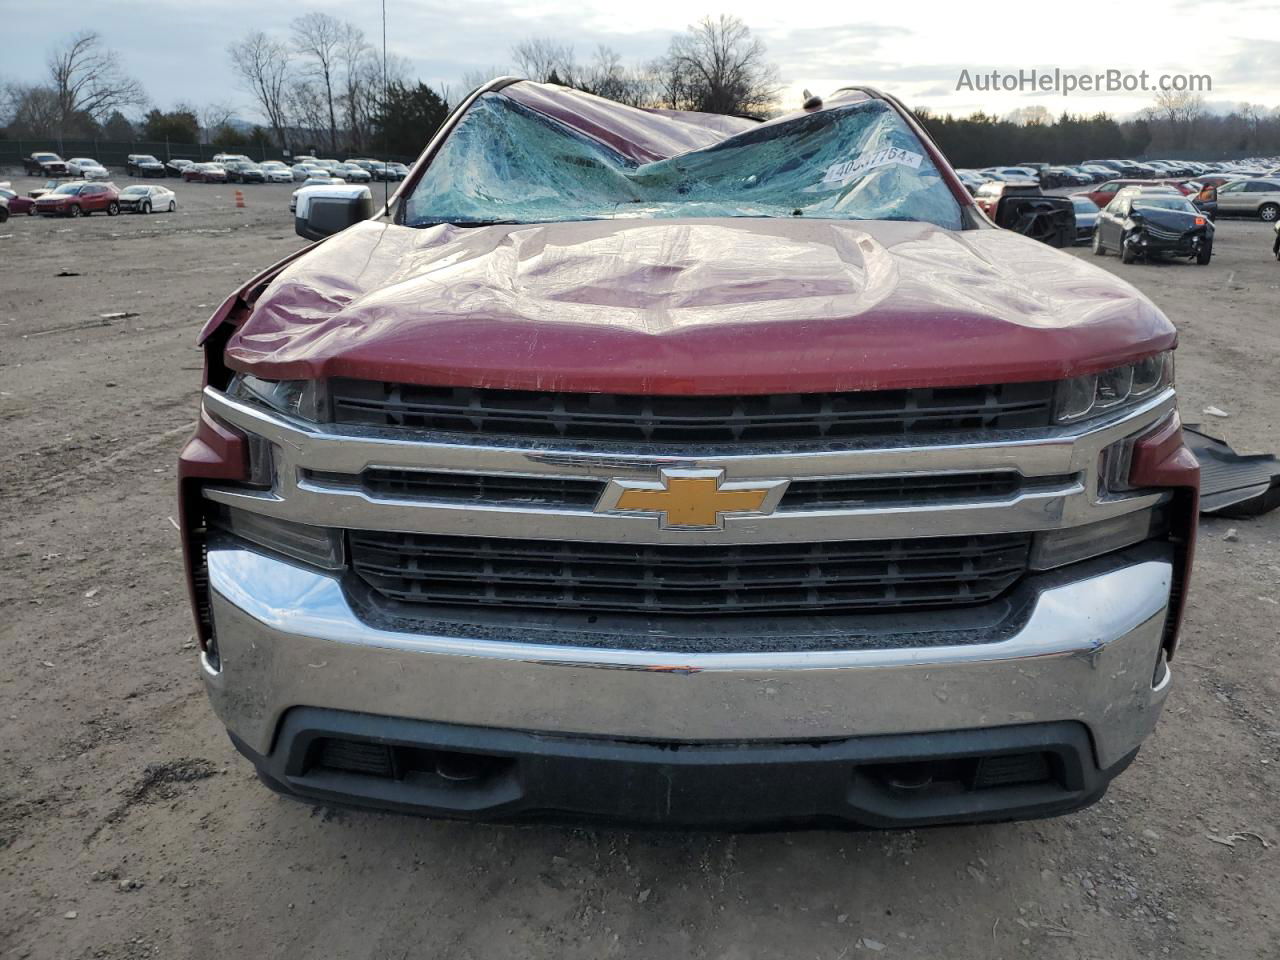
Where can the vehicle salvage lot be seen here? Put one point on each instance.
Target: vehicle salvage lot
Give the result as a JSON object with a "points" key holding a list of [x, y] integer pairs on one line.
{"points": [[131, 828]]}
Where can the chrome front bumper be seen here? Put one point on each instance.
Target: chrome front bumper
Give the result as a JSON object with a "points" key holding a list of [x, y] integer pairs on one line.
{"points": [[287, 637]]}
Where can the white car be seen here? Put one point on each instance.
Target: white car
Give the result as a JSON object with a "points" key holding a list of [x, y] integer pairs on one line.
{"points": [[148, 198], [277, 172], [86, 168]]}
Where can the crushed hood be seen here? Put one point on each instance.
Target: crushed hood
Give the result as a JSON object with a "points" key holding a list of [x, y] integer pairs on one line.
{"points": [[692, 307]]}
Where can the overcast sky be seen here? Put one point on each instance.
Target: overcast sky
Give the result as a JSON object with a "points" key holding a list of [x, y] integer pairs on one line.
{"points": [[177, 48]]}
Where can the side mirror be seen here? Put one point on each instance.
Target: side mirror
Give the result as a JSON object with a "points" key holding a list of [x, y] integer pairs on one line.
{"points": [[328, 209]]}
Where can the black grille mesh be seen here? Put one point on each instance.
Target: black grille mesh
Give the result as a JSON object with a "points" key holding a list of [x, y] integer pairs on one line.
{"points": [[728, 419], [718, 580]]}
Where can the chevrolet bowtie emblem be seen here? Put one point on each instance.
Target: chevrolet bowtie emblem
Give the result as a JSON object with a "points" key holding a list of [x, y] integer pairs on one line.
{"points": [[691, 499]]}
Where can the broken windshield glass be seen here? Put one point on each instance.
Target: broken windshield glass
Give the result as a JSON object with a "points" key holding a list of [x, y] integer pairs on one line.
{"points": [[505, 162]]}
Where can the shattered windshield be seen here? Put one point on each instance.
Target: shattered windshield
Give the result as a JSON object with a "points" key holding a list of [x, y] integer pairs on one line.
{"points": [[507, 163]]}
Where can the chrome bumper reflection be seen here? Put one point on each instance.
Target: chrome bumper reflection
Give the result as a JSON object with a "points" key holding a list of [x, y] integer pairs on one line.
{"points": [[287, 637]]}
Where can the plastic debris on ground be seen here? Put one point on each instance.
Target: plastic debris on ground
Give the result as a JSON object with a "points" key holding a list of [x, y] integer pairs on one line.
{"points": [[1233, 484]]}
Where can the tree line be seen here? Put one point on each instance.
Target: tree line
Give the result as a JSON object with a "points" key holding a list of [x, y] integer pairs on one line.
{"points": [[321, 85], [1175, 125], [327, 85]]}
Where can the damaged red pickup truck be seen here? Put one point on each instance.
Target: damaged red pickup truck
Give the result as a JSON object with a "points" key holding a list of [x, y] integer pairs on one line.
{"points": [[656, 467]]}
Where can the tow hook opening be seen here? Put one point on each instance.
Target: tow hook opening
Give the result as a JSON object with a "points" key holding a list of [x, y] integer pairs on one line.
{"points": [[963, 774], [396, 762]]}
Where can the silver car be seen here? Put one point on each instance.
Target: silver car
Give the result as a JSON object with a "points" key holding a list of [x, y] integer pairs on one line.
{"points": [[277, 172], [148, 198], [1250, 198], [305, 171], [351, 173]]}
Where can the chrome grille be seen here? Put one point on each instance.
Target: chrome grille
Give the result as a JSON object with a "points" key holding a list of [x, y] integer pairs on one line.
{"points": [[823, 494], [828, 576]]}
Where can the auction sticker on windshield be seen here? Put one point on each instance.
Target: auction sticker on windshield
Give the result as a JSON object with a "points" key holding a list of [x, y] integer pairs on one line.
{"points": [[846, 170]]}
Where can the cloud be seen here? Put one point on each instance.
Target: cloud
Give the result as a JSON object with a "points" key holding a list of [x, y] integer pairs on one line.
{"points": [[1252, 63]]}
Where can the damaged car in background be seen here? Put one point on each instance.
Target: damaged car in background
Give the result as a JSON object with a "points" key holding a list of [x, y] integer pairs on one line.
{"points": [[681, 469], [1144, 223]]}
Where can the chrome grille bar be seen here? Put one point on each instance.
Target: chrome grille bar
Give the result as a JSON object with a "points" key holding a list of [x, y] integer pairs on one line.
{"points": [[1069, 454]]}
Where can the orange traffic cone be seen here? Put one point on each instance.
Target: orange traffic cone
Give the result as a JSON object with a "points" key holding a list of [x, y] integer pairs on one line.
{"points": [[239, 199]]}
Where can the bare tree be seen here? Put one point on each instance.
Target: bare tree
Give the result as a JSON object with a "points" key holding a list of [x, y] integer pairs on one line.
{"points": [[606, 76], [544, 60], [1023, 116], [87, 80], [718, 67], [1180, 109], [362, 78], [30, 111], [309, 111], [475, 78], [212, 117], [263, 66], [319, 38]]}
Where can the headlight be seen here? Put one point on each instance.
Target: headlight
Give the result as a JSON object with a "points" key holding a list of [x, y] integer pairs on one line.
{"points": [[295, 398], [1099, 393]]}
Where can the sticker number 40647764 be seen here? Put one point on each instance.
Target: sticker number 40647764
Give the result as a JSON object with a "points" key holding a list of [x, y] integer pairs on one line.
{"points": [[847, 170]]}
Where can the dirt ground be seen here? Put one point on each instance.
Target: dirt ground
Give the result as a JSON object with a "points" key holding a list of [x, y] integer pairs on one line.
{"points": [[129, 827]]}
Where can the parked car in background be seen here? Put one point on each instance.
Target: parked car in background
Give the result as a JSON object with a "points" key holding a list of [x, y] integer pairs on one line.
{"points": [[276, 172], [305, 171], [971, 179], [1090, 175], [143, 165], [49, 187], [80, 198], [224, 157], [1099, 172], [174, 168], [16, 202], [1215, 179], [1086, 217], [148, 198], [4, 208], [244, 171], [44, 164], [205, 173], [1063, 177], [1143, 224], [1106, 192], [86, 168], [399, 169], [1250, 198], [351, 173], [1013, 174]]}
